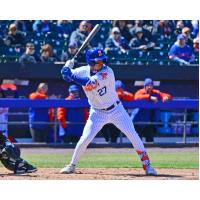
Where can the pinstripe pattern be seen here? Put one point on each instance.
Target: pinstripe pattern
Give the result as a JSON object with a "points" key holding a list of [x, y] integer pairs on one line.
{"points": [[95, 100], [98, 118]]}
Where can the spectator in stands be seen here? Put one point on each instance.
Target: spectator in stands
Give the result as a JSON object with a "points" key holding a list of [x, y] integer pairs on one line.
{"points": [[24, 25], [29, 56], [186, 33], [196, 44], [64, 27], [179, 27], [47, 55], [122, 93], [71, 132], [80, 34], [181, 52], [39, 132], [109, 131], [195, 28], [148, 93], [164, 27], [124, 30], [140, 41], [42, 26], [140, 24], [72, 49], [14, 37], [116, 41]]}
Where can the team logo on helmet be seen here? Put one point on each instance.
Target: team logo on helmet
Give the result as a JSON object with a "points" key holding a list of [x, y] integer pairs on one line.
{"points": [[100, 53]]}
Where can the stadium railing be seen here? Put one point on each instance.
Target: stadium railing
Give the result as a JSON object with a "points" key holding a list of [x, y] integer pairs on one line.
{"points": [[182, 104]]}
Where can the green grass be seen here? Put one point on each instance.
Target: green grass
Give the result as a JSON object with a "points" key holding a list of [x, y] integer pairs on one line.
{"points": [[180, 160]]}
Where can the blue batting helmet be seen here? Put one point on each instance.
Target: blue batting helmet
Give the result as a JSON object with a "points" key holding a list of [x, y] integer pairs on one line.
{"points": [[95, 54], [73, 88]]}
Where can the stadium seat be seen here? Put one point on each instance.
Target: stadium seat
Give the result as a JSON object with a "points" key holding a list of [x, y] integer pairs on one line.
{"points": [[195, 118], [164, 117]]}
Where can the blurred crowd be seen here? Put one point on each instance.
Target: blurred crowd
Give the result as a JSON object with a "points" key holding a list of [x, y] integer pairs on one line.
{"points": [[125, 41]]}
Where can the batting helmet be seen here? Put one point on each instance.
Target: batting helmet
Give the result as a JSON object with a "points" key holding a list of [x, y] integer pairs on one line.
{"points": [[73, 88], [94, 55]]}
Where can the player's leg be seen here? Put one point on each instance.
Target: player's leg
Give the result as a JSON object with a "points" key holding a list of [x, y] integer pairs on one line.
{"points": [[94, 124], [10, 157], [122, 120]]}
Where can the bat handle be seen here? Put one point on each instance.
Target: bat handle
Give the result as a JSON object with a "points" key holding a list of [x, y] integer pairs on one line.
{"points": [[76, 55]]}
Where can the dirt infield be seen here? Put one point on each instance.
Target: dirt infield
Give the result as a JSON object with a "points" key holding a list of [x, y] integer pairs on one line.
{"points": [[103, 174]]}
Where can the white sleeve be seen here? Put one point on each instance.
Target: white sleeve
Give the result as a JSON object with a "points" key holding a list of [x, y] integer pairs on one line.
{"points": [[111, 78], [79, 71]]}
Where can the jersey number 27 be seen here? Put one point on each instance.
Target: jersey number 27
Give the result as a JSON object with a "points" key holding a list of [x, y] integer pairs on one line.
{"points": [[102, 91]]}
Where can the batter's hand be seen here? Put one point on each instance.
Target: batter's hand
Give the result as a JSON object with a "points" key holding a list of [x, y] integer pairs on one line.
{"points": [[70, 63], [66, 73]]}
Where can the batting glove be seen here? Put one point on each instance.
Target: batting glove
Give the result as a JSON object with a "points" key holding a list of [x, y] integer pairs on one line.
{"points": [[70, 63], [66, 73]]}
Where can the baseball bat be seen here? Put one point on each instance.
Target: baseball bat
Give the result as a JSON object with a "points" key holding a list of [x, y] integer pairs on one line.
{"points": [[88, 39]]}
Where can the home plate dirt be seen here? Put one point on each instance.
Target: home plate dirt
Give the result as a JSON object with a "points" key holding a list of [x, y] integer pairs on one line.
{"points": [[103, 174]]}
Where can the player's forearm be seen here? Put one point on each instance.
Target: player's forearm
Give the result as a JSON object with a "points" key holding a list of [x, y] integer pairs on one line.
{"points": [[142, 96], [179, 60], [80, 80], [69, 76]]}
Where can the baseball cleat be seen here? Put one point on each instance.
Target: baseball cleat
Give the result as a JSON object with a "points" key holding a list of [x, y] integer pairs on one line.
{"points": [[150, 171], [25, 169], [68, 169]]}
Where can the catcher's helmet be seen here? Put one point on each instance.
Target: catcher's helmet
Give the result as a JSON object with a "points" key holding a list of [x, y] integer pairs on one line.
{"points": [[94, 55]]}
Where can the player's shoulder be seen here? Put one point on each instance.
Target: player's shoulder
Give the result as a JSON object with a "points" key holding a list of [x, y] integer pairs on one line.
{"points": [[107, 69], [142, 90]]}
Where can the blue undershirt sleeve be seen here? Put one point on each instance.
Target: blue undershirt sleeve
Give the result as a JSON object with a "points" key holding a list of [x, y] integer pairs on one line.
{"points": [[80, 80]]}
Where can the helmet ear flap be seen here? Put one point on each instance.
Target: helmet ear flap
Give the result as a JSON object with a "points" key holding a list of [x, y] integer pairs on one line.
{"points": [[91, 63]]}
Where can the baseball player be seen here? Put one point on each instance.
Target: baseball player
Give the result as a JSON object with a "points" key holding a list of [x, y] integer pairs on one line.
{"points": [[98, 82], [9, 152]]}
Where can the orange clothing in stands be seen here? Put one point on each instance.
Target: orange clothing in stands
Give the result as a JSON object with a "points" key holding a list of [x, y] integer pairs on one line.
{"points": [[38, 95], [127, 96], [62, 113], [143, 95]]}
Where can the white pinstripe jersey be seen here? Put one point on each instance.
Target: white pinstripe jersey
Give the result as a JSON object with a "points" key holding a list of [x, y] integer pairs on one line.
{"points": [[101, 90]]}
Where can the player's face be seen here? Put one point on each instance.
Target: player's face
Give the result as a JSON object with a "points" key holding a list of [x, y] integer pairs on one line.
{"points": [[182, 42], [44, 89], [97, 66], [30, 49], [149, 88]]}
